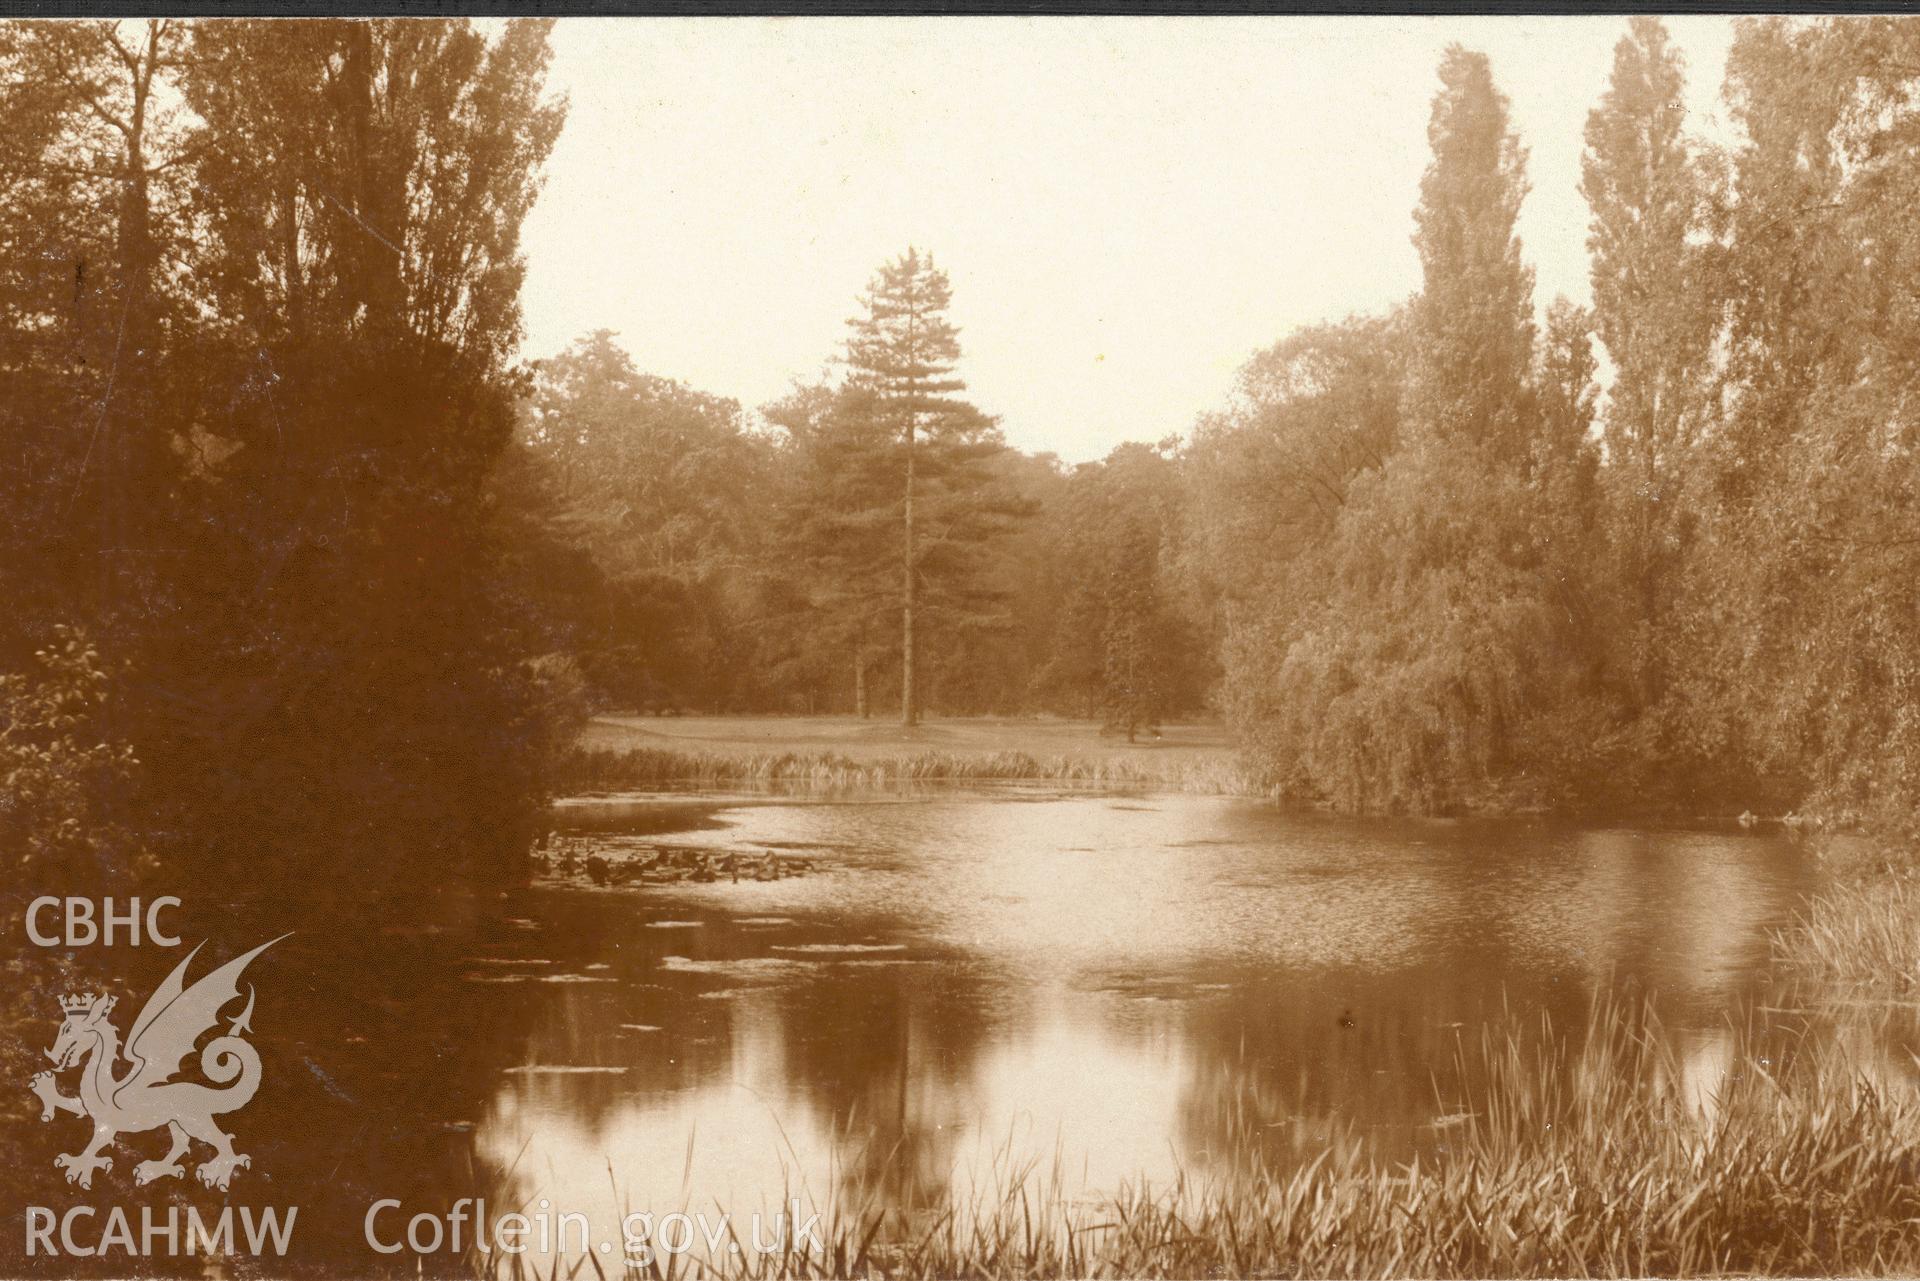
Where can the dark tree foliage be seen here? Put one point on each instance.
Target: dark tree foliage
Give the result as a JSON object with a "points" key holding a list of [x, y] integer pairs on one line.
{"points": [[1125, 645], [1475, 310], [1654, 311], [1800, 609], [1130, 691], [655, 484], [260, 294], [839, 534]]}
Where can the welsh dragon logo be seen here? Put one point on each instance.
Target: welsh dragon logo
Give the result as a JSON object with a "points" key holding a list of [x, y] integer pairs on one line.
{"points": [[145, 1096]]}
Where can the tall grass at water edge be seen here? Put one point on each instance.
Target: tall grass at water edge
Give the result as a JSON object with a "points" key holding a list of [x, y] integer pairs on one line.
{"points": [[590, 769], [1594, 1155], [1863, 931]]}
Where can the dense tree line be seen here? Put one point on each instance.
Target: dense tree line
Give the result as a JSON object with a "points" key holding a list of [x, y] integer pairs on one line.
{"points": [[1448, 581], [1420, 560], [869, 545]]}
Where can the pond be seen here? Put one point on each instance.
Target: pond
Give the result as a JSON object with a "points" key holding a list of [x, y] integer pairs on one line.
{"points": [[1099, 989], [956, 991]]}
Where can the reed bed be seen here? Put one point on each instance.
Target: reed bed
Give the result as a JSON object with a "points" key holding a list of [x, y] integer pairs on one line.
{"points": [[1865, 931], [1601, 1154], [589, 769]]}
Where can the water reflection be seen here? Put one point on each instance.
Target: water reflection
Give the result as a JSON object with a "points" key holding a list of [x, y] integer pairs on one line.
{"points": [[1095, 989], [1099, 989]]}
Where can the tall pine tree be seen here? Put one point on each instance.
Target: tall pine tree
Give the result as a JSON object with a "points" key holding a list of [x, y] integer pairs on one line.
{"points": [[902, 355]]}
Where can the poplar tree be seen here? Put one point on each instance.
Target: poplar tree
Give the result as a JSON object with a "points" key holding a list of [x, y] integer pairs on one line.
{"points": [[1652, 310], [1474, 317], [1407, 656]]}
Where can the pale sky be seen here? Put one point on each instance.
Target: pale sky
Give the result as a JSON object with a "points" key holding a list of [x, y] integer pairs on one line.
{"points": [[1128, 207]]}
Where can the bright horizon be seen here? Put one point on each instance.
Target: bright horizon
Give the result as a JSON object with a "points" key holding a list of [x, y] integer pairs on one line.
{"points": [[1128, 208]]}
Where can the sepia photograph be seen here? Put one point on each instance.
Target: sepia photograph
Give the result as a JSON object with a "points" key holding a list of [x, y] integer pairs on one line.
{"points": [[797, 648]]}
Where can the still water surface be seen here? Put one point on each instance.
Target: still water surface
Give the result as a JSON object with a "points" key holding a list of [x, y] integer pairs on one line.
{"points": [[1109, 988]]}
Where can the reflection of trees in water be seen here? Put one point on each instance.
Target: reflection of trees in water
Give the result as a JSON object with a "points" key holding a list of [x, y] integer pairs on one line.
{"points": [[1284, 1066], [369, 1047], [372, 1054], [759, 1061], [1801, 1021], [374, 1042], [1279, 1076], [1685, 913], [890, 1055], [1546, 920], [392, 1054]]}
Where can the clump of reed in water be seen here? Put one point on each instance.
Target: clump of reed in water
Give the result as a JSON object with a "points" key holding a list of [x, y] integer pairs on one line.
{"points": [[1866, 930], [1593, 1156]]}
